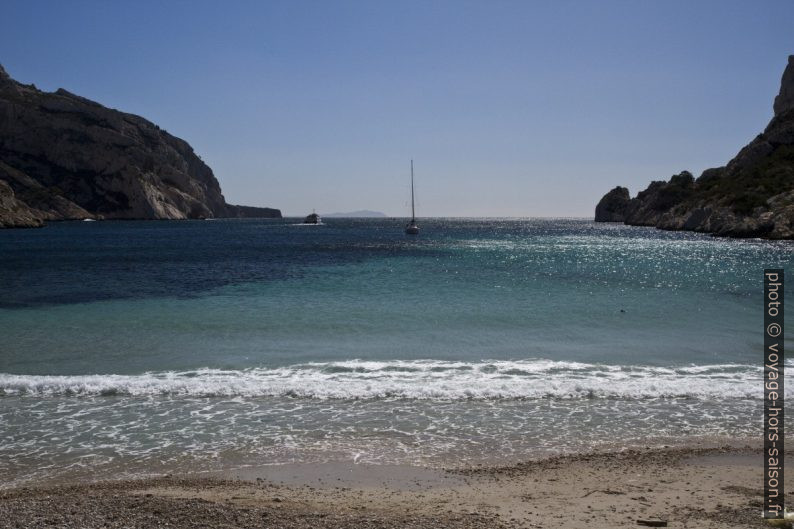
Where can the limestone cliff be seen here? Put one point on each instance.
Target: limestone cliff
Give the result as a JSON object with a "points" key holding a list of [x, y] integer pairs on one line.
{"points": [[752, 196], [65, 157], [16, 214], [612, 207]]}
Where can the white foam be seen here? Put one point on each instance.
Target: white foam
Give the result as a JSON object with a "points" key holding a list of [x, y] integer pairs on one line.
{"points": [[418, 379]]}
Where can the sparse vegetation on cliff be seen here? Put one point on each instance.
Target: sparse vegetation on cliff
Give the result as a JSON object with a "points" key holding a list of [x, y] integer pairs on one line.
{"points": [[65, 157], [752, 196]]}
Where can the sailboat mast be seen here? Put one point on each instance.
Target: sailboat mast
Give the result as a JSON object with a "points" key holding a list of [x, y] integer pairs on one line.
{"points": [[413, 214], [411, 228]]}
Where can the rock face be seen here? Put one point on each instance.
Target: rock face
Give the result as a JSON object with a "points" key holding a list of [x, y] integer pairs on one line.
{"points": [[752, 196], [16, 214], [612, 208], [785, 99], [65, 157]]}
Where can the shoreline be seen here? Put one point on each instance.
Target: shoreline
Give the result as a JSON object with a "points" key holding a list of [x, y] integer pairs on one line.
{"points": [[348, 465], [688, 487]]}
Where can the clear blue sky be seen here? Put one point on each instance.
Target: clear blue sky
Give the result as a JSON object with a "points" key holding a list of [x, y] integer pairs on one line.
{"points": [[508, 108]]}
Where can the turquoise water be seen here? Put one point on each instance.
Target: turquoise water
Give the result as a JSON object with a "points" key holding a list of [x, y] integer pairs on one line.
{"points": [[146, 347]]}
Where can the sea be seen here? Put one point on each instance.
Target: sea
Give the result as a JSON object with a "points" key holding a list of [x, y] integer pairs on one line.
{"points": [[138, 348]]}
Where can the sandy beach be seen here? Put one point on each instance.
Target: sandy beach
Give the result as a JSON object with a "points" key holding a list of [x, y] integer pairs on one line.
{"points": [[715, 488]]}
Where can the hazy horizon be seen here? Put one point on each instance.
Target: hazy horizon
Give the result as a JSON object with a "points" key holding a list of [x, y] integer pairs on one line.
{"points": [[508, 109]]}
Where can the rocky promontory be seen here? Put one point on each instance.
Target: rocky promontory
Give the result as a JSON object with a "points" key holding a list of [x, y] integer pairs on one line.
{"points": [[65, 157], [752, 196]]}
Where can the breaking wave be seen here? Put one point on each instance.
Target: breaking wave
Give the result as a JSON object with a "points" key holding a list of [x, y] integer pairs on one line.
{"points": [[418, 379]]}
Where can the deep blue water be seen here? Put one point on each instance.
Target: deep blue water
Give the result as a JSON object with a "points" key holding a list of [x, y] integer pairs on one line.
{"points": [[201, 344]]}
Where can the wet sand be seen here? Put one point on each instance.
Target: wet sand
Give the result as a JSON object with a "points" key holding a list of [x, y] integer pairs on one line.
{"points": [[687, 488]]}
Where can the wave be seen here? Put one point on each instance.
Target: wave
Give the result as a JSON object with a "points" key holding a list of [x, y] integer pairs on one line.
{"points": [[419, 379]]}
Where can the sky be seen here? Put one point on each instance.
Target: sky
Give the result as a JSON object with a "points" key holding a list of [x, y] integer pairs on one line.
{"points": [[520, 109]]}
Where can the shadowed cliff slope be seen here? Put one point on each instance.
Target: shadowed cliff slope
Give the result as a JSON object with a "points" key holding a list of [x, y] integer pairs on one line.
{"points": [[752, 196], [65, 157]]}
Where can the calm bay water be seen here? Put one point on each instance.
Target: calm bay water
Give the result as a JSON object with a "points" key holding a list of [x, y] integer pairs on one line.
{"points": [[144, 347]]}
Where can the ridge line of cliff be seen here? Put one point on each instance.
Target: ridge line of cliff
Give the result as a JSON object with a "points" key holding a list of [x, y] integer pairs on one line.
{"points": [[65, 157], [751, 196]]}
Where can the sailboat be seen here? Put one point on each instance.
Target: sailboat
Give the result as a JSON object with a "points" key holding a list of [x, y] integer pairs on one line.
{"points": [[411, 228]]}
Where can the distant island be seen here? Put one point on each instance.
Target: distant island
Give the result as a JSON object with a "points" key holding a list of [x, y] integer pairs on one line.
{"points": [[65, 157], [359, 213], [752, 196]]}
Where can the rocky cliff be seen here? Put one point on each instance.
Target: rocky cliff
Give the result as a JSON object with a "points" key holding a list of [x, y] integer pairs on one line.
{"points": [[752, 196], [65, 157]]}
